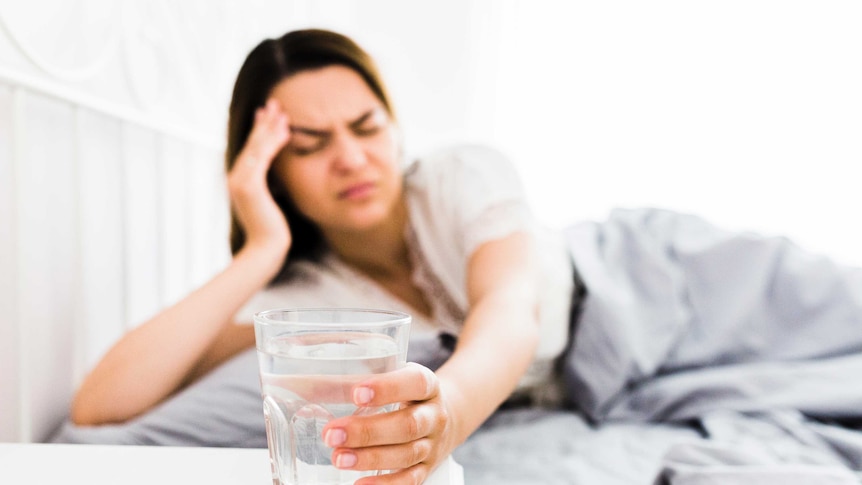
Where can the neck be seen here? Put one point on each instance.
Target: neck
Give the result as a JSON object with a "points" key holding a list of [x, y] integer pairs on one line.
{"points": [[380, 251]]}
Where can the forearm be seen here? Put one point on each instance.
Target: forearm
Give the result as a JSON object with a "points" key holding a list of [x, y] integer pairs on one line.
{"points": [[152, 361], [490, 359]]}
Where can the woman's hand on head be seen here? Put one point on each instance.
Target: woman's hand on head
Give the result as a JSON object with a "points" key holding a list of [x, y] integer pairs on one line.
{"points": [[411, 441], [263, 221]]}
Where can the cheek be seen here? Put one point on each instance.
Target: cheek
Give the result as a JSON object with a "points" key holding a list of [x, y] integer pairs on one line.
{"points": [[298, 181], [387, 149]]}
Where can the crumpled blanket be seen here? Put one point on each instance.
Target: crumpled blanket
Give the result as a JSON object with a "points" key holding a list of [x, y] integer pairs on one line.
{"points": [[752, 339]]}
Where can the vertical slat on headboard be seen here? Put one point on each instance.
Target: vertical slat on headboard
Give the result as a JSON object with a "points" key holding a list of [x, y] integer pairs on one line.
{"points": [[141, 228], [174, 182], [207, 236], [47, 254], [9, 322], [101, 220], [197, 233]]}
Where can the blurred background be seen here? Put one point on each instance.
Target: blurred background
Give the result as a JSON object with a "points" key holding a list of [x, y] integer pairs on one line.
{"points": [[112, 117]]}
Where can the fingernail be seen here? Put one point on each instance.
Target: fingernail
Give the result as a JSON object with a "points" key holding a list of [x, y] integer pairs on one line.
{"points": [[345, 460], [335, 437], [363, 395]]}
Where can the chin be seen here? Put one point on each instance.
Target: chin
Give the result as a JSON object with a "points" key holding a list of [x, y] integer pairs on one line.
{"points": [[367, 218]]}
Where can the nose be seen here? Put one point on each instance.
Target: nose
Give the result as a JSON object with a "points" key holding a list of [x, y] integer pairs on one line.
{"points": [[349, 153]]}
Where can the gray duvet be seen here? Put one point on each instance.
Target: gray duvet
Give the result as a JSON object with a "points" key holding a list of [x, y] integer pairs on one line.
{"points": [[700, 357]]}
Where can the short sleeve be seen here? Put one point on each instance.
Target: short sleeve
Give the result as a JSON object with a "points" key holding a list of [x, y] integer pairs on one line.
{"points": [[459, 199], [480, 192]]}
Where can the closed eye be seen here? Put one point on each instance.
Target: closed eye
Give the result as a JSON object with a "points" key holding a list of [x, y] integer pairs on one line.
{"points": [[370, 123], [367, 130], [303, 149]]}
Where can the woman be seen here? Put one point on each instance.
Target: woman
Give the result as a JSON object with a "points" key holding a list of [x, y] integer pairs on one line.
{"points": [[680, 320], [321, 205]]}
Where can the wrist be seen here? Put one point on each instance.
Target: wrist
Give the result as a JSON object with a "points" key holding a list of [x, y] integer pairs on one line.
{"points": [[266, 256], [457, 409], [248, 156]]}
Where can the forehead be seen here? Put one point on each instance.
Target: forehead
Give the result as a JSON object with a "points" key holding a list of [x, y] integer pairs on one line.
{"points": [[323, 96]]}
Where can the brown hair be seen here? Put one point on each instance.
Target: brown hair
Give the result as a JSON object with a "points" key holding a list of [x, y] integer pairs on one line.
{"points": [[272, 61]]}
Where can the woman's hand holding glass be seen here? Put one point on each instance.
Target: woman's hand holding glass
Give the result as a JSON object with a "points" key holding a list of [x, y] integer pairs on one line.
{"points": [[263, 221], [411, 441]]}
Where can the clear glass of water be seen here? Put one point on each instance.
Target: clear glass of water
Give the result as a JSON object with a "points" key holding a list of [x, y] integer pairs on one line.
{"points": [[309, 361]]}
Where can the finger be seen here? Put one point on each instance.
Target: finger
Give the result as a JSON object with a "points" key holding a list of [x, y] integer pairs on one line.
{"points": [[270, 117], [393, 457], [401, 426], [413, 382], [269, 109], [273, 115], [268, 136]]}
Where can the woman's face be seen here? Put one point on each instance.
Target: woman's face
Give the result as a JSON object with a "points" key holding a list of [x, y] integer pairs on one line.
{"points": [[341, 163]]}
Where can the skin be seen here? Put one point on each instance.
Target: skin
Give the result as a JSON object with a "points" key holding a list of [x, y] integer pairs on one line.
{"points": [[335, 149]]}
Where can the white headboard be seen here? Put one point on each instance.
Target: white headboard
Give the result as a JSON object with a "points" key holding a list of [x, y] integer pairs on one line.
{"points": [[111, 186], [112, 118]]}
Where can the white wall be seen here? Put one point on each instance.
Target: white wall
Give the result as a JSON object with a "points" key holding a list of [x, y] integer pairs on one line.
{"points": [[112, 116], [747, 112]]}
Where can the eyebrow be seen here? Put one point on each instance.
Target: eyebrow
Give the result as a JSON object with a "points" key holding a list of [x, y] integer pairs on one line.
{"points": [[325, 133]]}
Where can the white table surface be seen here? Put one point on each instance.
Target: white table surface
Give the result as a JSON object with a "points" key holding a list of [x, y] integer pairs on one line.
{"points": [[26, 464]]}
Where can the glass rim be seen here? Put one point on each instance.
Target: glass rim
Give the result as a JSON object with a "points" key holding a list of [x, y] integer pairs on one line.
{"points": [[390, 318]]}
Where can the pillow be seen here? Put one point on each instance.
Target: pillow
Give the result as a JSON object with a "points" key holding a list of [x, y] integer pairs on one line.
{"points": [[222, 409]]}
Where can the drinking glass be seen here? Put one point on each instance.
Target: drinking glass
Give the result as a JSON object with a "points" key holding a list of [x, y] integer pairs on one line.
{"points": [[309, 361]]}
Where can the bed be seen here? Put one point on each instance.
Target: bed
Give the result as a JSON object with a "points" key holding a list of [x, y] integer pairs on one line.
{"points": [[700, 356]]}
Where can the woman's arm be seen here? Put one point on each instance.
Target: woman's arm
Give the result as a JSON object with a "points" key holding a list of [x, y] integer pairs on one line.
{"points": [[500, 335], [152, 361], [494, 351], [158, 357], [233, 339]]}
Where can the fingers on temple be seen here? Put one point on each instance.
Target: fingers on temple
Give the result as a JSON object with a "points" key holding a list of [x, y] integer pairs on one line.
{"points": [[271, 115]]}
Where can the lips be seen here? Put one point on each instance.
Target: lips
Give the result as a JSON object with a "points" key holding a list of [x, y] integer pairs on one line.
{"points": [[357, 191]]}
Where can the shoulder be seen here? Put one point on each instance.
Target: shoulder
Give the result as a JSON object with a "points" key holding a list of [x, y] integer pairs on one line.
{"points": [[463, 196], [460, 160], [466, 153], [464, 171]]}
